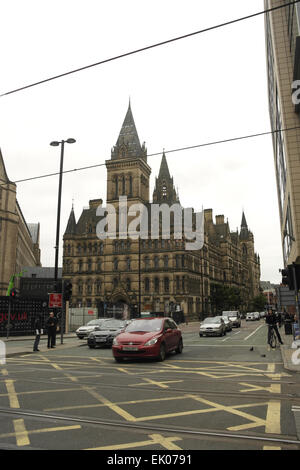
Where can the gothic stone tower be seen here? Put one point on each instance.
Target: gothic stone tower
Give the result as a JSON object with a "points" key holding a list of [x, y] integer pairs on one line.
{"points": [[127, 171]]}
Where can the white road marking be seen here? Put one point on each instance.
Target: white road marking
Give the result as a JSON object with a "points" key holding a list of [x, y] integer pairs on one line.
{"points": [[253, 332]]}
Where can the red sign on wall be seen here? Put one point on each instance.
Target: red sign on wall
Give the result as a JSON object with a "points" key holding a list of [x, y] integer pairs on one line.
{"points": [[55, 300]]}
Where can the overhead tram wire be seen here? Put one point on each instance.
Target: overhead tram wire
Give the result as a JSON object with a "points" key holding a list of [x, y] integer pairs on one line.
{"points": [[207, 144], [152, 46]]}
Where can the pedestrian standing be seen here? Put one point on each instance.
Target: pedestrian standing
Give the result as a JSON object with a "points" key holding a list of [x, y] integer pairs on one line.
{"points": [[38, 331], [51, 328]]}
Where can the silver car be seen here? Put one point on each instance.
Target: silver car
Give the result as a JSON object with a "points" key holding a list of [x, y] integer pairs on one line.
{"points": [[83, 331], [228, 323], [212, 326]]}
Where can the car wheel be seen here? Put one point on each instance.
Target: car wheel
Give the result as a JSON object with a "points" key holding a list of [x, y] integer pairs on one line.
{"points": [[118, 359], [80, 337], [162, 353], [179, 348], [200, 335], [91, 346]]}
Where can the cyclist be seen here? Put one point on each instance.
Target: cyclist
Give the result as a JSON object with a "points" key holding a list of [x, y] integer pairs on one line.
{"points": [[271, 321]]}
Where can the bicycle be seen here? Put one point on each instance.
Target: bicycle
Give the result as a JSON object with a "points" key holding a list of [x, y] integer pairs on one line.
{"points": [[273, 338]]}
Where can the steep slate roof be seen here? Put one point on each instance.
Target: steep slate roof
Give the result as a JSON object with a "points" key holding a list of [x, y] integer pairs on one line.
{"points": [[164, 169], [3, 174], [128, 140], [34, 230], [71, 226]]}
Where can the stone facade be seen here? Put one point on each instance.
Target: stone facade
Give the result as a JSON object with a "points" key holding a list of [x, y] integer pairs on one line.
{"points": [[158, 274], [19, 242]]}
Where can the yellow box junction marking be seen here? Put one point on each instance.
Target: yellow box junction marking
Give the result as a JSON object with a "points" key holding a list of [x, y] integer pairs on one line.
{"points": [[21, 433], [165, 442], [154, 382]]}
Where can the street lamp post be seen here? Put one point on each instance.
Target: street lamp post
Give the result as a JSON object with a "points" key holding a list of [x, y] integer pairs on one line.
{"points": [[56, 144]]}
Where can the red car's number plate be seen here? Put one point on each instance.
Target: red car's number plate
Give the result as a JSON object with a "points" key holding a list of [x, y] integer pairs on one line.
{"points": [[130, 348]]}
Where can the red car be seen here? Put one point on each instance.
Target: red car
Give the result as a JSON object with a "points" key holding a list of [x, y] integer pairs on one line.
{"points": [[148, 337]]}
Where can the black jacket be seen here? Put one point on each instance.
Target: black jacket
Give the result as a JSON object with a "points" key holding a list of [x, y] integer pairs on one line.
{"points": [[271, 319], [38, 324], [51, 323]]}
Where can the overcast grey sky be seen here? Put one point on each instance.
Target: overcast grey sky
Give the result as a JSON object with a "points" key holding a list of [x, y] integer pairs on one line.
{"points": [[208, 87]]}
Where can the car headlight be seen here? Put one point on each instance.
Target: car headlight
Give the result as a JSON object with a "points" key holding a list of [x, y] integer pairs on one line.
{"points": [[115, 342], [151, 342]]}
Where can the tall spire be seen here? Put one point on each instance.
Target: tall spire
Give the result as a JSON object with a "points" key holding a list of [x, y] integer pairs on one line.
{"points": [[128, 143], [244, 223], [71, 226], [164, 169], [164, 190], [244, 234], [3, 175]]}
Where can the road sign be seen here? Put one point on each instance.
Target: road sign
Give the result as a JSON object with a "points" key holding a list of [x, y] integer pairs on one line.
{"points": [[55, 300]]}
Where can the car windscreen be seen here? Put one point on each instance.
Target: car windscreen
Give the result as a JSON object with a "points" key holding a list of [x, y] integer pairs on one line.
{"points": [[145, 325], [96, 322], [212, 320], [113, 324]]}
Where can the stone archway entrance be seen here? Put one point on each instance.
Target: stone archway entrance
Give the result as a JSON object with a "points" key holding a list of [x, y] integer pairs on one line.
{"points": [[119, 307]]}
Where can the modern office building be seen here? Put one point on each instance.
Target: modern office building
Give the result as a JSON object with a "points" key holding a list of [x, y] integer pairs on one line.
{"points": [[283, 63]]}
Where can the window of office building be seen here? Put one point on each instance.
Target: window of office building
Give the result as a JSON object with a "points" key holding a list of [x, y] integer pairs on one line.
{"points": [[288, 233]]}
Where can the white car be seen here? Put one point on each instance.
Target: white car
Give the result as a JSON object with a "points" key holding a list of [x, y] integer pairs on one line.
{"points": [[250, 316], [212, 326], [257, 315], [83, 331], [234, 316]]}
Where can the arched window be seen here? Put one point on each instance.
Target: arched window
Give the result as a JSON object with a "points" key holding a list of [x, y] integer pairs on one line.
{"points": [[128, 284], [123, 185], [130, 185], [166, 284], [166, 261], [164, 190], [128, 264], [116, 264], [156, 261], [98, 286], [147, 284], [156, 284]]}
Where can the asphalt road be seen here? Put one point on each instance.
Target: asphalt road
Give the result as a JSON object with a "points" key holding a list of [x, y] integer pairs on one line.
{"points": [[220, 393]]}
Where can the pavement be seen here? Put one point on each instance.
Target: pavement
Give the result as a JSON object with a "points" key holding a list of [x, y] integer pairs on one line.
{"points": [[19, 345]]}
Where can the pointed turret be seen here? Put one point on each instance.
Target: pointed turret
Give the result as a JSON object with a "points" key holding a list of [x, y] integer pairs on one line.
{"points": [[3, 175], [128, 143], [164, 191], [244, 234], [164, 169], [71, 226]]}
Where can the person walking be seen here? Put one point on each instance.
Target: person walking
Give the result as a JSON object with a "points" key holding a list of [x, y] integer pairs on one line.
{"points": [[271, 321], [38, 331], [51, 328]]}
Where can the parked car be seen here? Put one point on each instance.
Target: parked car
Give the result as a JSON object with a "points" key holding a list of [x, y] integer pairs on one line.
{"points": [[149, 338], [262, 314], [257, 315], [104, 334], [234, 316], [228, 323], [83, 331], [212, 326], [250, 316]]}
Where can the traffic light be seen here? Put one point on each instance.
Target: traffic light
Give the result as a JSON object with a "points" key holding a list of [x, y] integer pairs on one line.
{"points": [[288, 277], [67, 290], [13, 293], [289, 274]]}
